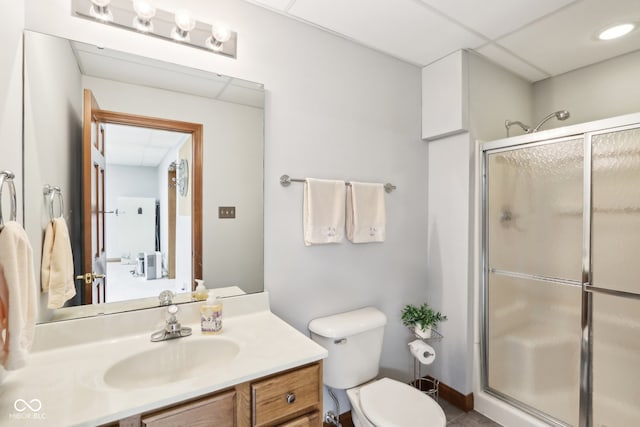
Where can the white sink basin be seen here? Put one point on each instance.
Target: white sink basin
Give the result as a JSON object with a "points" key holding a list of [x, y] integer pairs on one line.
{"points": [[171, 361]]}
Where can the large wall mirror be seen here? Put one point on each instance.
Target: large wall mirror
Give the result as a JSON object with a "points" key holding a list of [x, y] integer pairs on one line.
{"points": [[159, 215]]}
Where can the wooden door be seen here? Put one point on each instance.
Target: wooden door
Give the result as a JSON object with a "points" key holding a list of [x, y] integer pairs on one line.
{"points": [[93, 171]]}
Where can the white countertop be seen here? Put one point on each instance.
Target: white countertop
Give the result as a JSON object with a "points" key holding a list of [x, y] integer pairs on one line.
{"points": [[64, 386]]}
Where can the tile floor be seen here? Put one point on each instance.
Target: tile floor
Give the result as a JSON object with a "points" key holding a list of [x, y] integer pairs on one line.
{"points": [[457, 417]]}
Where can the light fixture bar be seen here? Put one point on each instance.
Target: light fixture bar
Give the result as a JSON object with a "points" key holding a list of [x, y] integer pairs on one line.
{"points": [[163, 25]]}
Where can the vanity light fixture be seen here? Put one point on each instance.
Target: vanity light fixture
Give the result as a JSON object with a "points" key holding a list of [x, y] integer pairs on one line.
{"points": [[616, 31], [144, 12], [143, 17], [100, 10], [184, 24]]}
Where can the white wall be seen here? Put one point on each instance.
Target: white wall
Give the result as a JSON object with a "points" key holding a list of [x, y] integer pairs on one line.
{"points": [[52, 107], [335, 110], [11, 98], [607, 89], [125, 181], [449, 256], [496, 95]]}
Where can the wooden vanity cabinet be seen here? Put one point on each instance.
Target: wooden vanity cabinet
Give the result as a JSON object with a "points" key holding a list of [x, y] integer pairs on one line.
{"points": [[217, 410], [286, 397], [291, 398]]}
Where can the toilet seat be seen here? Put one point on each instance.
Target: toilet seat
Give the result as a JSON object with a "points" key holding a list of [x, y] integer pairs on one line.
{"points": [[390, 403]]}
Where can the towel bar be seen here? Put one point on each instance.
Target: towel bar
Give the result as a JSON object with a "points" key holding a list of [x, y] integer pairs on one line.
{"points": [[8, 176], [286, 180]]}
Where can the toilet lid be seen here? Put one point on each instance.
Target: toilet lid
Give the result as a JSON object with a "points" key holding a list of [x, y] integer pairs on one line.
{"points": [[387, 402]]}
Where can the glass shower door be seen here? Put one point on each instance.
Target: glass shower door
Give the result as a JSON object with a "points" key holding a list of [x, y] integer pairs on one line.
{"points": [[615, 283], [533, 265]]}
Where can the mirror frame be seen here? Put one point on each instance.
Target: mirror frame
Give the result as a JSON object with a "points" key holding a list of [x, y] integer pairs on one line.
{"points": [[195, 129]]}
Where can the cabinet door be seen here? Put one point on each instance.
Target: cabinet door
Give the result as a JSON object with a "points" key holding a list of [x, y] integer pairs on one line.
{"points": [[286, 395], [213, 411]]}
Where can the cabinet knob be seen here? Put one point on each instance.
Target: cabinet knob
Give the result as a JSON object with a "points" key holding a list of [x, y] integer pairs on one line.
{"points": [[291, 397]]}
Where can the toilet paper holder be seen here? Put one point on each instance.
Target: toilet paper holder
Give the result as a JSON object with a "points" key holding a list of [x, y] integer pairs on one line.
{"points": [[427, 384]]}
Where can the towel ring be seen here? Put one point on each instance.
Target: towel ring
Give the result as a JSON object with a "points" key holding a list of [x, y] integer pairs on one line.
{"points": [[52, 192], [8, 176]]}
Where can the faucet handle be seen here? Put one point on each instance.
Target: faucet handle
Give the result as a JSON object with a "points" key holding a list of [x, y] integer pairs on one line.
{"points": [[166, 297], [172, 309]]}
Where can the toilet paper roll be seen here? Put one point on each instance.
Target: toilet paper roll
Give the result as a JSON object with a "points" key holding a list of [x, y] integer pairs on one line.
{"points": [[422, 351]]}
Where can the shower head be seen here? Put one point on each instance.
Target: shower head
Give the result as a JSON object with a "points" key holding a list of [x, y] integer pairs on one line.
{"points": [[560, 115]]}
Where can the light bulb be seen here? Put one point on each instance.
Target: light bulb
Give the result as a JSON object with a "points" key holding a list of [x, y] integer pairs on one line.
{"points": [[100, 10], [220, 33], [144, 12], [184, 24], [144, 9]]}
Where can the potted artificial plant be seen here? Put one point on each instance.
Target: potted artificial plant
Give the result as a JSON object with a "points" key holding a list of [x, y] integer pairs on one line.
{"points": [[421, 318]]}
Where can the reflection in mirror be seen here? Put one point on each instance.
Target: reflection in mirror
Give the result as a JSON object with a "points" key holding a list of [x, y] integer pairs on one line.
{"points": [[148, 166]]}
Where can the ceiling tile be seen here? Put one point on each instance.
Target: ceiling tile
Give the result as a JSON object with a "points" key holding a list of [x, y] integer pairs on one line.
{"points": [[406, 29], [562, 42], [243, 95], [495, 18], [511, 62]]}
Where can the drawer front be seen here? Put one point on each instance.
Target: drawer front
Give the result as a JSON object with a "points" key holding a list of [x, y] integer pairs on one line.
{"points": [[286, 394], [308, 420], [214, 411]]}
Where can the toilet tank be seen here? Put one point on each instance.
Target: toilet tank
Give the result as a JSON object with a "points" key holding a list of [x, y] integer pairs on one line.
{"points": [[354, 342]]}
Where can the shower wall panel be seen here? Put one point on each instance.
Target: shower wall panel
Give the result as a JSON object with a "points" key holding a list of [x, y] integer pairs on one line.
{"points": [[615, 249], [535, 210], [533, 345], [534, 232]]}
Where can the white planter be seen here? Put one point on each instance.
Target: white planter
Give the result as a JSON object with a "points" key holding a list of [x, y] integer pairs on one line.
{"points": [[422, 333]]}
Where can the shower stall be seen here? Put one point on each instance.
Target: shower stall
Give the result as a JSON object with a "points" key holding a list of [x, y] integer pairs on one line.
{"points": [[560, 298]]}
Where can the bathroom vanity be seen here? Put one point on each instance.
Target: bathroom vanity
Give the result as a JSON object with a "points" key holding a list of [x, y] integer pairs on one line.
{"points": [[105, 371], [292, 398]]}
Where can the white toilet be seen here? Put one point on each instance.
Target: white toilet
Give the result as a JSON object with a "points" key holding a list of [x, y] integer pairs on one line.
{"points": [[354, 342]]}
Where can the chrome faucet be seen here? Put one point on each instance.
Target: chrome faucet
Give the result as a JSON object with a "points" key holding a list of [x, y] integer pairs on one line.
{"points": [[165, 297], [172, 329]]}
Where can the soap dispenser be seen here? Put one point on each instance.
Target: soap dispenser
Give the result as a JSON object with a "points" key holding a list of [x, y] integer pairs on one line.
{"points": [[211, 315], [200, 293]]}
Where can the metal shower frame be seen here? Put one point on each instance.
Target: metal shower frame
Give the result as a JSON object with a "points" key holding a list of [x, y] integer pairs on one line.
{"points": [[586, 131]]}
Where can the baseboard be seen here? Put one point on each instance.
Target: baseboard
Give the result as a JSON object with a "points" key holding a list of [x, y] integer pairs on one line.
{"points": [[453, 396]]}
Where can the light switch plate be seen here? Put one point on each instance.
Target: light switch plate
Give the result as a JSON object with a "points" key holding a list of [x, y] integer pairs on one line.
{"points": [[226, 211]]}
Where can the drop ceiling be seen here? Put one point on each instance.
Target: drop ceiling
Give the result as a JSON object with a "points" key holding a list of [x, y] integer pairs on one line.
{"points": [[535, 39], [114, 65], [140, 147]]}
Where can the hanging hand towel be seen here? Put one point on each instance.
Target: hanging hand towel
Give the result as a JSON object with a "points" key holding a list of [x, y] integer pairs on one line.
{"points": [[366, 217], [57, 264], [18, 296], [323, 211]]}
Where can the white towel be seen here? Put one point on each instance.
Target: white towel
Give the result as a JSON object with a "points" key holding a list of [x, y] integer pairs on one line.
{"points": [[323, 211], [57, 264], [18, 296], [366, 216]]}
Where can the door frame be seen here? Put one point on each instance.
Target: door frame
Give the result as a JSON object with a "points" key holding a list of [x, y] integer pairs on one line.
{"points": [[196, 131]]}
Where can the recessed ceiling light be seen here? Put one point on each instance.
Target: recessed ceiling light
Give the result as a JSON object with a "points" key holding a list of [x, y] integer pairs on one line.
{"points": [[616, 31]]}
